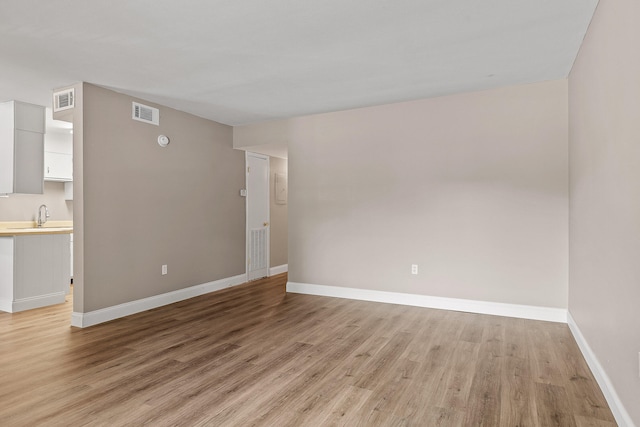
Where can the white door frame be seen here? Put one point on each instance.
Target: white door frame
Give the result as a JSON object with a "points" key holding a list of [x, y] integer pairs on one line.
{"points": [[248, 206]]}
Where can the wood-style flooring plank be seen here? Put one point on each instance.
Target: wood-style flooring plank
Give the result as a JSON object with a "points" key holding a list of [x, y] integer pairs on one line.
{"points": [[253, 355]]}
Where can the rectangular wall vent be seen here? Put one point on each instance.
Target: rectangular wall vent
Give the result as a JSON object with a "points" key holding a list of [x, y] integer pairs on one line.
{"points": [[64, 100], [144, 113]]}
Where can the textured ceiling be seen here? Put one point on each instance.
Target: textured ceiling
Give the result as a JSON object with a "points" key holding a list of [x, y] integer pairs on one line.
{"points": [[245, 61]]}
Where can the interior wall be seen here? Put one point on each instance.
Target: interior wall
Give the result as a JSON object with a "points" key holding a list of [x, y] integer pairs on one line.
{"points": [[472, 188], [268, 138], [24, 207], [278, 249], [604, 105], [145, 206], [76, 117]]}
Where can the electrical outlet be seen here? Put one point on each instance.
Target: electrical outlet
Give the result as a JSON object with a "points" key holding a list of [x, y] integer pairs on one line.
{"points": [[414, 268], [164, 269]]}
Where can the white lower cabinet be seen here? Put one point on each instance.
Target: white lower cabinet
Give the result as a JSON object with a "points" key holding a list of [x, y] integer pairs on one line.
{"points": [[34, 271]]}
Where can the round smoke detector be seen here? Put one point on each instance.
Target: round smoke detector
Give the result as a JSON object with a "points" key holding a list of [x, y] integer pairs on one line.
{"points": [[163, 140]]}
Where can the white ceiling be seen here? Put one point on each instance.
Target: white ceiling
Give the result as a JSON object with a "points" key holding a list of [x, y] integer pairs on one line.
{"points": [[245, 61]]}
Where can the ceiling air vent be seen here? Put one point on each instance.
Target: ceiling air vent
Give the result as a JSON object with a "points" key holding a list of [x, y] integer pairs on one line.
{"points": [[63, 100], [144, 113]]}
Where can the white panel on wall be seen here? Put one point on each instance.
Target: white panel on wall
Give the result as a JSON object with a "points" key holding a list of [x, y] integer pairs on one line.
{"points": [[281, 189]]}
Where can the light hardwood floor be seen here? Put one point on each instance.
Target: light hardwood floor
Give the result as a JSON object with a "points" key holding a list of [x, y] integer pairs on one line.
{"points": [[254, 355]]}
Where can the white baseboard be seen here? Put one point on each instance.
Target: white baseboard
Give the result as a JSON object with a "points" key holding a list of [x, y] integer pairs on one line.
{"points": [[83, 320], [33, 302], [482, 307], [279, 269], [615, 404]]}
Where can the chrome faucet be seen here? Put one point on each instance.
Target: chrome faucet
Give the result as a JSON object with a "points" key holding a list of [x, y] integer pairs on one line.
{"points": [[46, 215]]}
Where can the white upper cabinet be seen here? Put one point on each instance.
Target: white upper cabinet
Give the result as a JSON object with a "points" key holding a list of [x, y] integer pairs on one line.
{"points": [[58, 166], [58, 155], [22, 128]]}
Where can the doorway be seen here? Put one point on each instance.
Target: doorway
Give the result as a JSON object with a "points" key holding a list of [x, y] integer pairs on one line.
{"points": [[257, 215]]}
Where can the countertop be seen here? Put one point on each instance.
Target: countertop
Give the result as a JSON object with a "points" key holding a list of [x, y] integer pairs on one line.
{"points": [[22, 228]]}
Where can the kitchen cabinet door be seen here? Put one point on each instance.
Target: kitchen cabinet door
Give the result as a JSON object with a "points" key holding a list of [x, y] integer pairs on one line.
{"points": [[58, 166], [29, 153], [34, 271], [21, 148]]}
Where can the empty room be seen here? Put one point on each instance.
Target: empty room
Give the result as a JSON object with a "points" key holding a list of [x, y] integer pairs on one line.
{"points": [[415, 213]]}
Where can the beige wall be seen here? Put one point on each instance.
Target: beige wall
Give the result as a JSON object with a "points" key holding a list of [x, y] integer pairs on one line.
{"points": [[76, 117], [471, 187], [144, 206], [278, 249], [24, 207], [604, 105], [269, 138]]}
